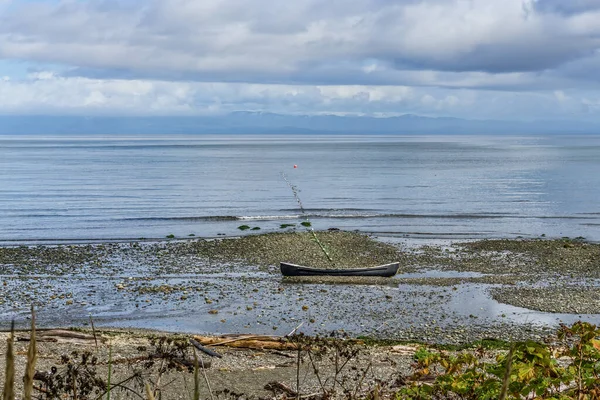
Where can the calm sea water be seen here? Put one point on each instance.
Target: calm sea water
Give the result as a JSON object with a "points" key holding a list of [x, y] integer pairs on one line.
{"points": [[114, 187]]}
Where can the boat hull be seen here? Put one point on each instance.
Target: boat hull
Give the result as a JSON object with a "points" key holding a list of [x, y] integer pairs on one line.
{"points": [[386, 270]]}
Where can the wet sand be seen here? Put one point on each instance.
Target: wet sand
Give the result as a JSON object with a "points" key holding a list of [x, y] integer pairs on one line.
{"points": [[445, 291]]}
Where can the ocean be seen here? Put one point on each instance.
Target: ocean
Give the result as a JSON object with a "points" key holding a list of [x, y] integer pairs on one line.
{"points": [[78, 188]]}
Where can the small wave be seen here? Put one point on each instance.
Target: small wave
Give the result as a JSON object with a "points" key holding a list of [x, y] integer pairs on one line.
{"points": [[363, 215], [328, 213], [563, 217], [268, 217], [314, 210], [196, 218], [452, 216]]}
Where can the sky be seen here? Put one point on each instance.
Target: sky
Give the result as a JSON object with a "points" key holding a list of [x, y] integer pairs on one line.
{"points": [[475, 59]]}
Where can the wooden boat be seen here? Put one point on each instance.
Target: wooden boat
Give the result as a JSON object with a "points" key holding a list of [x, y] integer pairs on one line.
{"points": [[386, 270]]}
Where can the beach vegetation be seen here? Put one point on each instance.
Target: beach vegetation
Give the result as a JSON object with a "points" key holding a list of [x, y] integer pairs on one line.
{"points": [[567, 369], [566, 366], [284, 226], [243, 227], [79, 374], [9, 369], [31, 361], [423, 354], [171, 236], [486, 344]]}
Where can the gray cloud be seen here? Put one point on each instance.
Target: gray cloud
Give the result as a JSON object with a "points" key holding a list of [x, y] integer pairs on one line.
{"points": [[569, 7], [584, 70], [500, 59], [298, 42]]}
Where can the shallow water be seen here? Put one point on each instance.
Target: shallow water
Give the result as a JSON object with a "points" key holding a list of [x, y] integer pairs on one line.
{"points": [[83, 188]]}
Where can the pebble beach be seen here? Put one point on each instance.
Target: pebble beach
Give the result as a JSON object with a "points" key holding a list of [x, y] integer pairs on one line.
{"points": [[444, 292]]}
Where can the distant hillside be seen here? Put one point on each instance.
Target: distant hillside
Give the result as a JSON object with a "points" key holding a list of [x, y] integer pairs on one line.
{"points": [[259, 122]]}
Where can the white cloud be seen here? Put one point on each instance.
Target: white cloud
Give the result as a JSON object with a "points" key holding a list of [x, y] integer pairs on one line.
{"points": [[44, 93], [42, 76], [439, 57], [561, 96], [77, 95]]}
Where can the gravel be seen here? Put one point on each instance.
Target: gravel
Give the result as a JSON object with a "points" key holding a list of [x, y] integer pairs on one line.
{"points": [[242, 371], [564, 300], [348, 250], [450, 293]]}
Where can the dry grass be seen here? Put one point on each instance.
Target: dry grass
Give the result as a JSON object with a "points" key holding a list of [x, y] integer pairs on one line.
{"points": [[31, 361], [8, 392]]}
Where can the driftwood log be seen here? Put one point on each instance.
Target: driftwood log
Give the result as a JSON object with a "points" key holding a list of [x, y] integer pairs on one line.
{"points": [[247, 342], [62, 335], [289, 393], [205, 350]]}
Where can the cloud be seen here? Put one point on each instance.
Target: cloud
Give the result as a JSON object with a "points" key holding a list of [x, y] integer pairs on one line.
{"points": [[476, 36], [45, 91], [294, 42], [566, 7], [584, 71], [468, 58], [48, 93]]}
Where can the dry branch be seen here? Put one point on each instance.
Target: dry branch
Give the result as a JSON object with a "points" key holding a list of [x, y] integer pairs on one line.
{"points": [[248, 342]]}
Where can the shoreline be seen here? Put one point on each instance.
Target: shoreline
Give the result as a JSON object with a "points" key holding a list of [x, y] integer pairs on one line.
{"points": [[394, 237], [224, 285]]}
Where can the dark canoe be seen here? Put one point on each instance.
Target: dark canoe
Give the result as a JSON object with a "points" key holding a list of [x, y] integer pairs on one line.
{"points": [[387, 270]]}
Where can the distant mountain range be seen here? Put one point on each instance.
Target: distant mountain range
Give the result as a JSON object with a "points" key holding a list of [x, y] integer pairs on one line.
{"points": [[261, 122]]}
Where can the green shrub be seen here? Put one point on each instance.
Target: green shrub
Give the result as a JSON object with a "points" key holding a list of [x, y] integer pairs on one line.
{"points": [[529, 370]]}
